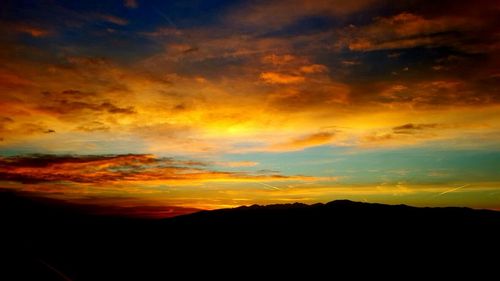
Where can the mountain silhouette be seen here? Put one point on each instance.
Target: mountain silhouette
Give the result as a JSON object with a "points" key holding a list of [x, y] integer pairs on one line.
{"points": [[46, 239]]}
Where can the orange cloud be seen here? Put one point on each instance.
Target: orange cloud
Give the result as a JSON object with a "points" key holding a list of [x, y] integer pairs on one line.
{"points": [[277, 60], [405, 30], [316, 139], [314, 68], [32, 30], [161, 106], [208, 43], [280, 78], [363, 44], [120, 169], [435, 93]]}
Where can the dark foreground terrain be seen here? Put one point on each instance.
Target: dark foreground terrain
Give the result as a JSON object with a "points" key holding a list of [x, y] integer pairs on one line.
{"points": [[48, 240]]}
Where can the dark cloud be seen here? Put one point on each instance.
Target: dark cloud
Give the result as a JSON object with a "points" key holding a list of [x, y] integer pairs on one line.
{"points": [[275, 14], [45, 160], [25, 179], [5, 120], [111, 108], [404, 30], [70, 101], [180, 107], [9, 126], [111, 19], [427, 90], [93, 126], [411, 128], [74, 168], [108, 206], [103, 169], [485, 9], [71, 92], [409, 132], [65, 107], [464, 25], [34, 128], [393, 55], [86, 61]]}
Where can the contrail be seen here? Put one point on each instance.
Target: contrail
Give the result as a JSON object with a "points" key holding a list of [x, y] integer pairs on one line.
{"points": [[165, 17], [452, 190], [55, 270], [187, 37], [268, 185]]}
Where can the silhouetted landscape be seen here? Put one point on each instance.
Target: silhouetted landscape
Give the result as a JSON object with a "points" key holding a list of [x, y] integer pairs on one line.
{"points": [[51, 240]]}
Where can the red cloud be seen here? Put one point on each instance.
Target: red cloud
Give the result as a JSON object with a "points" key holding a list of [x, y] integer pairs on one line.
{"points": [[115, 168]]}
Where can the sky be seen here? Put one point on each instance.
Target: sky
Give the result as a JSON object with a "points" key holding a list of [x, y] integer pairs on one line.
{"points": [[164, 107]]}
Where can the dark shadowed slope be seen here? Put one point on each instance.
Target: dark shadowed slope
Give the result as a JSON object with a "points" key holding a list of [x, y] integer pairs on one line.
{"points": [[47, 240]]}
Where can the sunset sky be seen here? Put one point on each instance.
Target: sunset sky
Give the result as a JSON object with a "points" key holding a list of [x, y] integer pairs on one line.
{"points": [[165, 105]]}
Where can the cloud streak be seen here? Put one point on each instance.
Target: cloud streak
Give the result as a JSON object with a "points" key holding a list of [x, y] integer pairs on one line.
{"points": [[303, 142], [405, 30], [108, 169]]}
